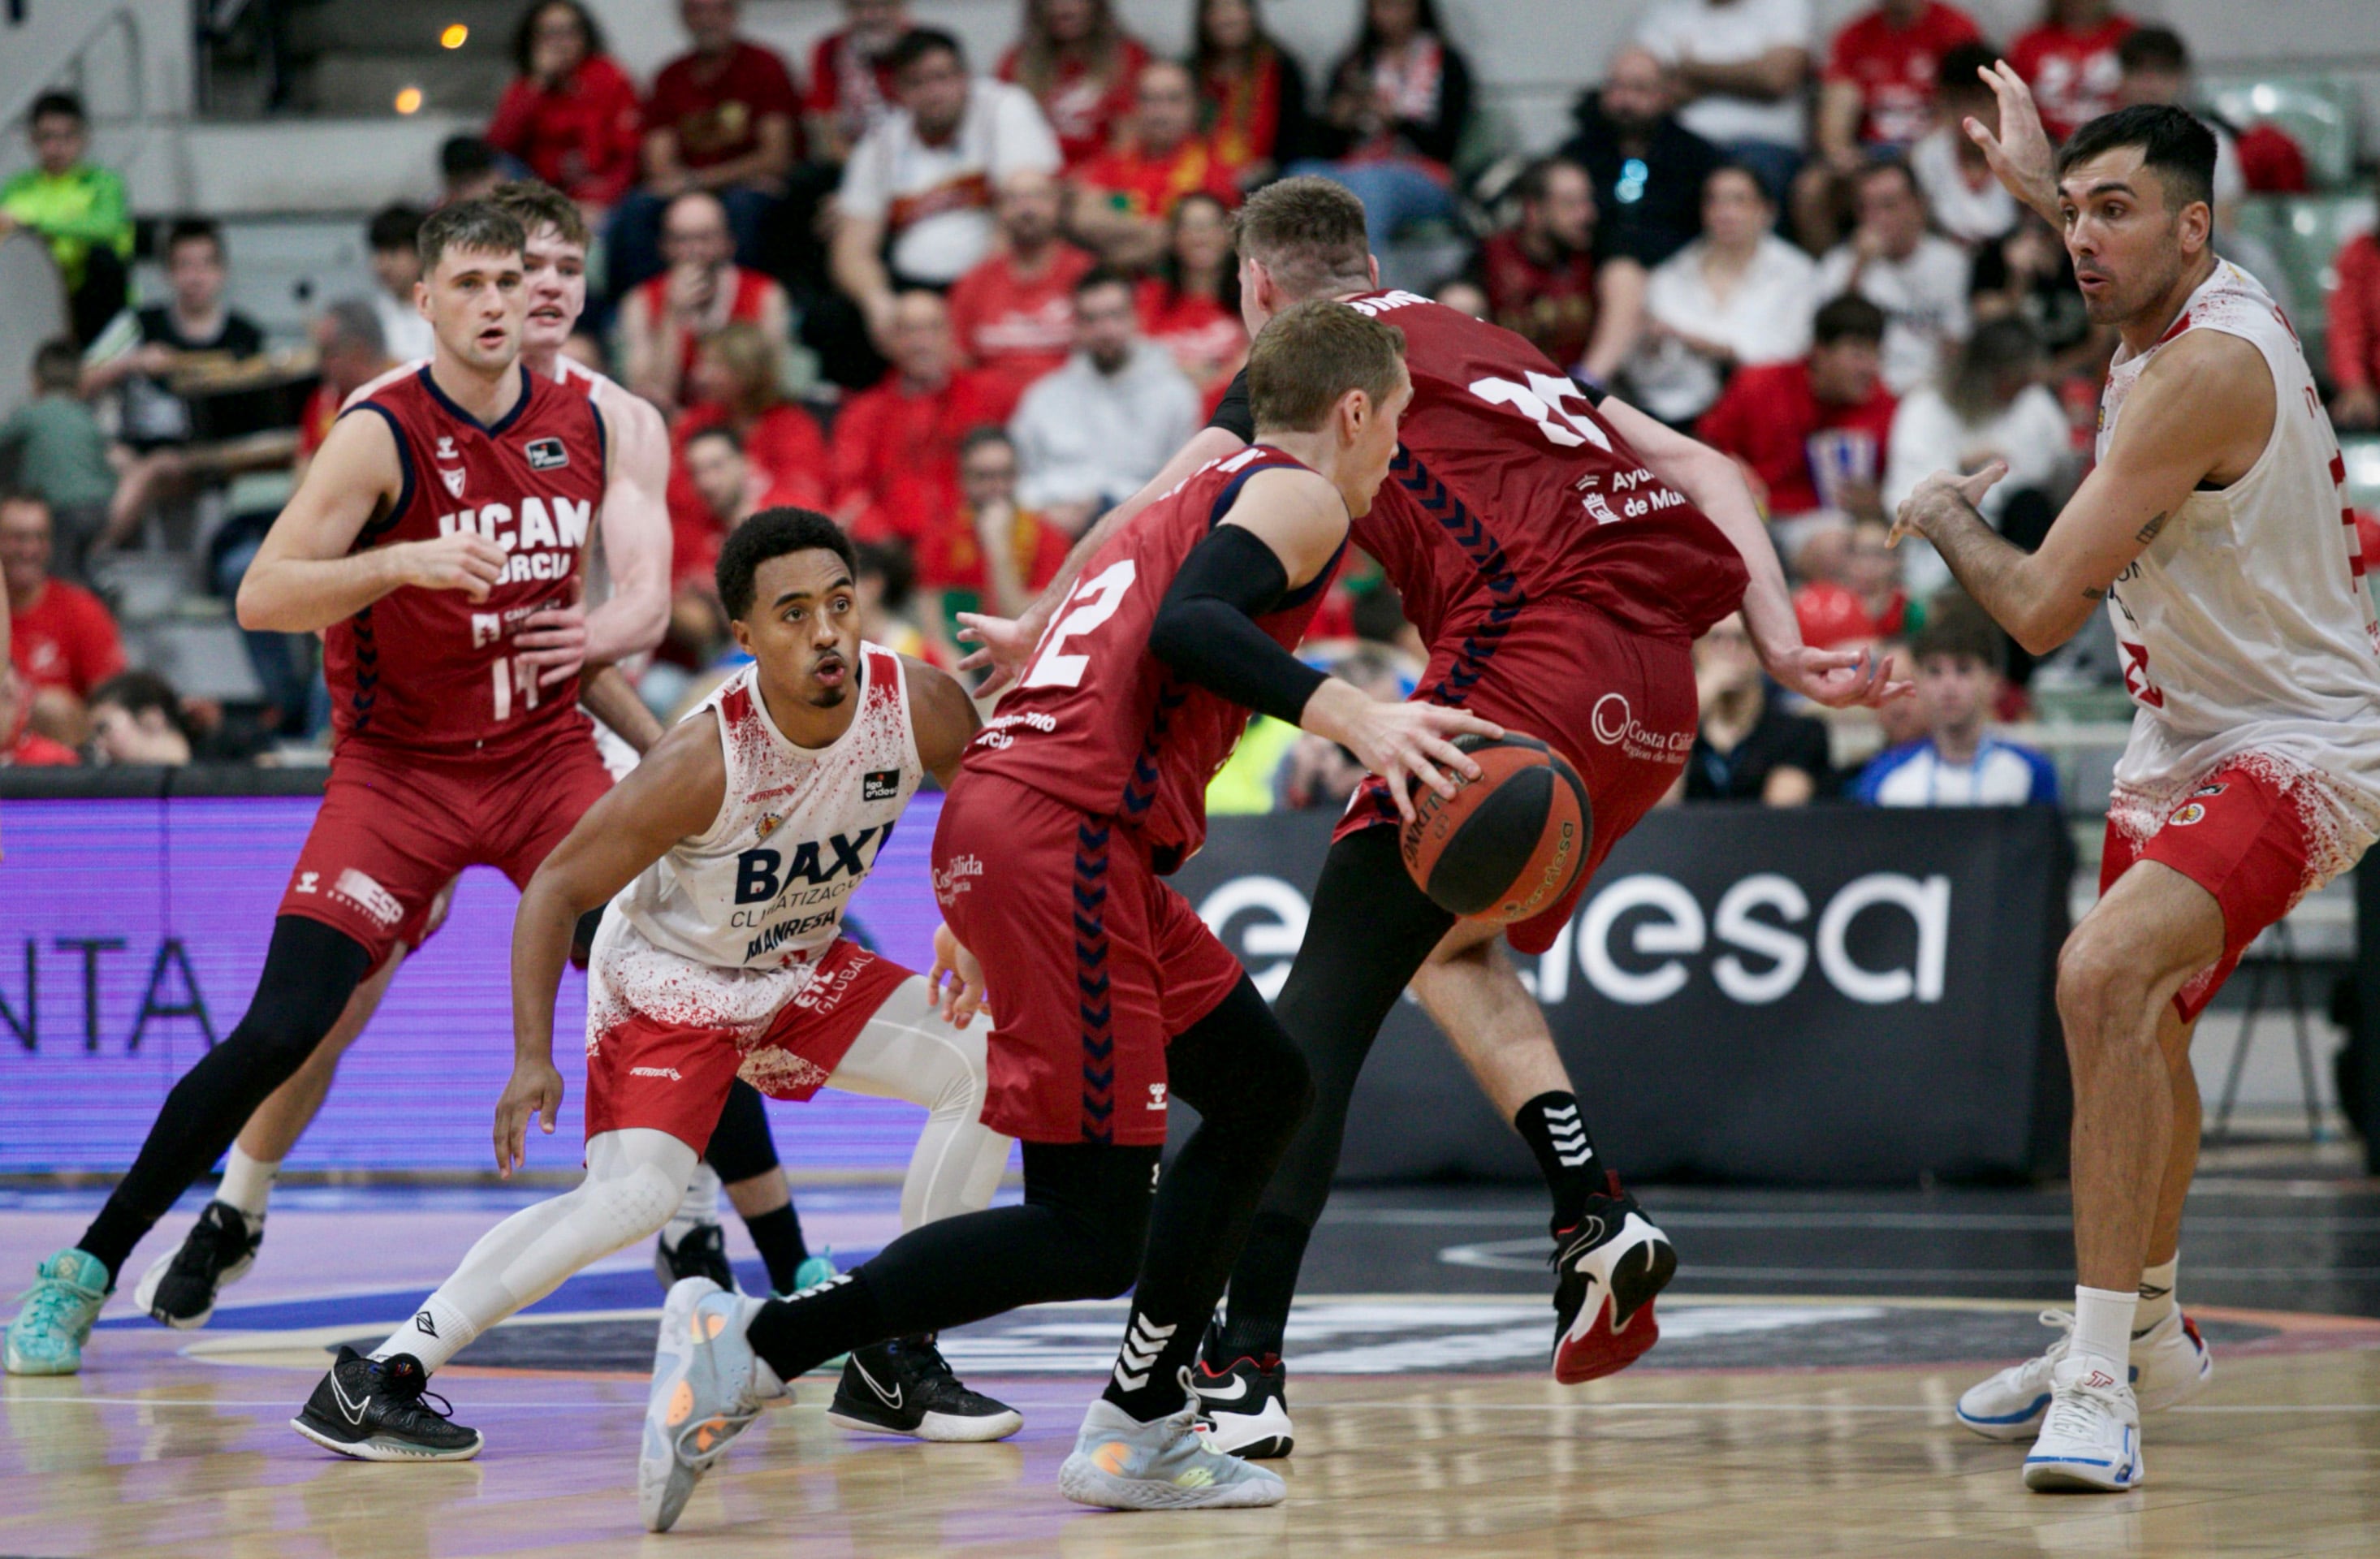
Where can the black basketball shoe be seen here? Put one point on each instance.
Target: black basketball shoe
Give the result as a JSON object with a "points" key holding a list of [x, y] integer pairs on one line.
{"points": [[179, 1290], [376, 1410], [1244, 1401], [1609, 1266], [702, 1253], [906, 1388]]}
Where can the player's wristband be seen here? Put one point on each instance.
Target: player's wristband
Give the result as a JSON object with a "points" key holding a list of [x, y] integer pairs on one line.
{"points": [[1206, 626]]}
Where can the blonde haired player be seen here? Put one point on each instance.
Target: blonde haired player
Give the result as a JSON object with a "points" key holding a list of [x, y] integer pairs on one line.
{"points": [[2214, 531]]}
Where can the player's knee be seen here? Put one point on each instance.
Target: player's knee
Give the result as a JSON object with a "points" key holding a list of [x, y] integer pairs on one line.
{"points": [[635, 1205], [2100, 981]]}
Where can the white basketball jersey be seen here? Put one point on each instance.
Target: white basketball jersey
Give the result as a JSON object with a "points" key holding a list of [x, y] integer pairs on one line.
{"points": [[721, 932], [2245, 631]]}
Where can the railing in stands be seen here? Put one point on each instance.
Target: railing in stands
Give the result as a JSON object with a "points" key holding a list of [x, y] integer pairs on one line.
{"points": [[131, 59]]}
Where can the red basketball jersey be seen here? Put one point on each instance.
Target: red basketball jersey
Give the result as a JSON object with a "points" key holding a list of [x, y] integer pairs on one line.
{"points": [[1510, 488], [434, 670], [1099, 723]]}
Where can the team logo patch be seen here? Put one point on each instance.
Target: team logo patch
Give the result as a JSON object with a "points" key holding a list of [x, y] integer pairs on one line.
{"points": [[547, 455], [769, 821], [454, 481], [2188, 815], [879, 785]]}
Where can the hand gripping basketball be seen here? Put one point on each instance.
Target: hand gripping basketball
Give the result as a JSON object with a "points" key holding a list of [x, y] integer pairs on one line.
{"points": [[1507, 845]]}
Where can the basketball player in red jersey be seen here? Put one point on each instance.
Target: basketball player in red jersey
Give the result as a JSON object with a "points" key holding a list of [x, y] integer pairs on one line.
{"points": [[439, 519], [1111, 996], [631, 538], [1559, 553]]}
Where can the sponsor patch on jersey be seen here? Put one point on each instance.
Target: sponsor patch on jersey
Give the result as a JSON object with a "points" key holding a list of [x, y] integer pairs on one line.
{"points": [[369, 896], [547, 455], [879, 785], [2190, 814]]}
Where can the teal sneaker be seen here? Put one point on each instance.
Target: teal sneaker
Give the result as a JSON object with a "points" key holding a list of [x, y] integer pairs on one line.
{"points": [[1122, 1464], [814, 1271], [46, 1338]]}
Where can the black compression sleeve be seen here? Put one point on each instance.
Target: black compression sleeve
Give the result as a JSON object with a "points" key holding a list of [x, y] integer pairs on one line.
{"points": [[1206, 625], [1235, 414]]}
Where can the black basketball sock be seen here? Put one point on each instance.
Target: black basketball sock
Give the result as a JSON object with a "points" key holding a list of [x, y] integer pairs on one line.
{"points": [[779, 1236], [1262, 1285], [797, 1335], [1555, 1130]]}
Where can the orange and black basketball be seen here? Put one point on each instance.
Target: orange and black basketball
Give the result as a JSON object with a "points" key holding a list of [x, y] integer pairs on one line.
{"points": [[1508, 845]]}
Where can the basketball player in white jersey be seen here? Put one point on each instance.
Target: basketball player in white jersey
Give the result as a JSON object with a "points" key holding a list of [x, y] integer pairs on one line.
{"points": [[727, 857], [2213, 529]]}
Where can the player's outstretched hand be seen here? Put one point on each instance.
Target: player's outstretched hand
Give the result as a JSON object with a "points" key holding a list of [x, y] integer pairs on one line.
{"points": [[554, 640], [1837, 678], [1400, 742], [534, 1093], [1942, 493], [462, 560], [962, 996], [1003, 643], [2020, 153]]}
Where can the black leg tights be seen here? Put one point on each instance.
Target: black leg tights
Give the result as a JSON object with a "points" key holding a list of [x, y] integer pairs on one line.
{"points": [[310, 972], [1241, 1071], [1085, 1224], [1369, 931]]}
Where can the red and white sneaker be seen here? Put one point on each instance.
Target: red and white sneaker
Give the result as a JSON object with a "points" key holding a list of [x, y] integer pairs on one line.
{"points": [[1609, 1266]]}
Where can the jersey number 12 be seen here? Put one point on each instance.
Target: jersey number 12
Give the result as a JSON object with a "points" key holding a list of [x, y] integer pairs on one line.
{"points": [[1092, 603]]}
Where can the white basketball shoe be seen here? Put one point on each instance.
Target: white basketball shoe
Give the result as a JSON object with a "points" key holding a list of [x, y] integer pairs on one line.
{"points": [[2091, 1436], [2169, 1365]]}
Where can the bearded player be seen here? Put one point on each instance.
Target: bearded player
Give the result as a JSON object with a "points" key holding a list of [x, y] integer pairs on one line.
{"points": [[1559, 553], [1110, 997], [442, 516], [728, 857], [629, 556], [2214, 528]]}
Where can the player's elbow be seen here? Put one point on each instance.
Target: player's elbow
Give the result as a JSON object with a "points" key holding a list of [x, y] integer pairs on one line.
{"points": [[257, 607], [2044, 629]]}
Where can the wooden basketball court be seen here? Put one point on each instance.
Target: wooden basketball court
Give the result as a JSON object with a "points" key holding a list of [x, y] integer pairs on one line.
{"points": [[164, 1447]]}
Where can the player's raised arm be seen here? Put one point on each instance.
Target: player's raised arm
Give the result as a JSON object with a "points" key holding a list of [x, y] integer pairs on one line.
{"points": [[1715, 485], [2204, 407], [307, 575], [675, 794]]}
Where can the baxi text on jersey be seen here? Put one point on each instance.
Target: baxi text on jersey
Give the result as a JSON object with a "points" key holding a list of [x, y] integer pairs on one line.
{"points": [[544, 538], [761, 874]]}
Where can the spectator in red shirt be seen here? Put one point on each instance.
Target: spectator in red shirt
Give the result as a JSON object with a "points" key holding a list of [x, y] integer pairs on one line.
{"points": [[851, 86], [1251, 92], [570, 114], [1864, 608], [1191, 306], [1124, 196], [1877, 91], [1013, 313], [993, 555], [1811, 434], [2355, 334], [723, 118], [62, 642], [2069, 62], [1080, 66], [666, 319], [895, 459], [736, 386], [1545, 281]]}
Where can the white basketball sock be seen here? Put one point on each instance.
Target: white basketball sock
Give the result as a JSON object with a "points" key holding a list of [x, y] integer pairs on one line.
{"points": [[2157, 1299], [2103, 1326], [248, 1183], [634, 1178]]}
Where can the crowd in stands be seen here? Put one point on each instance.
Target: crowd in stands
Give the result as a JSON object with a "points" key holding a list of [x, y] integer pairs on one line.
{"points": [[965, 305]]}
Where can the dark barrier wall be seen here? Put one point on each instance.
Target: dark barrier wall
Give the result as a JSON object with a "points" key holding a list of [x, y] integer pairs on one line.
{"points": [[1831, 996], [1828, 997]]}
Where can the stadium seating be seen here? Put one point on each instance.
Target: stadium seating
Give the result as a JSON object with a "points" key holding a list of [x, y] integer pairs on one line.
{"points": [[2317, 112]]}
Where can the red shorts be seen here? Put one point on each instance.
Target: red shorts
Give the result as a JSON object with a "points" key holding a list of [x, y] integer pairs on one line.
{"points": [[1091, 961], [2242, 839], [1621, 705], [672, 1078], [396, 827]]}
